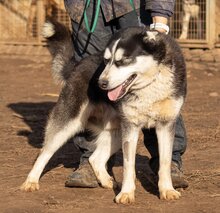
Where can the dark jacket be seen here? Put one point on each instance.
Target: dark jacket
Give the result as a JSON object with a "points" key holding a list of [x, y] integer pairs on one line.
{"points": [[116, 8]]}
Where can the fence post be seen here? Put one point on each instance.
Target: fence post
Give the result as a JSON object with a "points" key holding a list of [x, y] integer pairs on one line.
{"points": [[40, 19], [210, 8]]}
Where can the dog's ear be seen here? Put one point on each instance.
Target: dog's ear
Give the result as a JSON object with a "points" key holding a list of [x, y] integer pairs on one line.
{"points": [[150, 40], [150, 36], [154, 44]]}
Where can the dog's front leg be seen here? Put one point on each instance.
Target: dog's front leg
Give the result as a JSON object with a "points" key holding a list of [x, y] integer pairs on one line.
{"points": [[130, 135], [165, 135], [185, 25]]}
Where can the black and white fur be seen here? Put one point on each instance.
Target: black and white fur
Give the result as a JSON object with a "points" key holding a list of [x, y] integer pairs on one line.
{"points": [[142, 84]]}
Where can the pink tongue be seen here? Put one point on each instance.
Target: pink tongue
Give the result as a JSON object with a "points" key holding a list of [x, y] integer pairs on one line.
{"points": [[114, 94]]}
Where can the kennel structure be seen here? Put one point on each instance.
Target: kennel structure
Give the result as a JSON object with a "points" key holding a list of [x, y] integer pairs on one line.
{"points": [[21, 20], [195, 23]]}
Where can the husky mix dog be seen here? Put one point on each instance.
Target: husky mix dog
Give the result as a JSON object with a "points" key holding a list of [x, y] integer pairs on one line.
{"points": [[190, 10], [139, 83]]}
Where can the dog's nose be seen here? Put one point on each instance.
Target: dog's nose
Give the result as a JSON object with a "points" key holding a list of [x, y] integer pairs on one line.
{"points": [[103, 84]]}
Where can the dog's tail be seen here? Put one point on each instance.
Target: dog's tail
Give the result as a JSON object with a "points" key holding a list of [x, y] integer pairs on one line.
{"points": [[60, 45]]}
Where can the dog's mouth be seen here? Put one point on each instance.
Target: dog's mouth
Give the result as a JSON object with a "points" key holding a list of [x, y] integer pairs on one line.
{"points": [[118, 92]]}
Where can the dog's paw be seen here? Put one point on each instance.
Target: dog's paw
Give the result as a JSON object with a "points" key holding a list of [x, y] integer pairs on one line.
{"points": [[125, 198], [105, 179], [29, 186], [169, 194], [109, 184]]}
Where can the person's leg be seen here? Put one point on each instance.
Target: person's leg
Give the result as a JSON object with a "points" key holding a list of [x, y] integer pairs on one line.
{"points": [[87, 44], [179, 147], [84, 175]]}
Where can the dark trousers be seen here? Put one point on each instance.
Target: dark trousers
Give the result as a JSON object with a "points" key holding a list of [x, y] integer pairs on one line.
{"points": [[88, 44]]}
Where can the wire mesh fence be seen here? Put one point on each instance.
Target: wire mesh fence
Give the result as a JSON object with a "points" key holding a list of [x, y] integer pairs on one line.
{"points": [[13, 18], [21, 20], [189, 21], [193, 22]]}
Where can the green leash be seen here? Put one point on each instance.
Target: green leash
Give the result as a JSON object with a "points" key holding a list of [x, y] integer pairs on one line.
{"points": [[132, 5], [91, 30]]}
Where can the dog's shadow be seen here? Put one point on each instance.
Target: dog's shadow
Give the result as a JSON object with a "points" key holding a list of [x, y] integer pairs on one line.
{"points": [[144, 173], [35, 115]]}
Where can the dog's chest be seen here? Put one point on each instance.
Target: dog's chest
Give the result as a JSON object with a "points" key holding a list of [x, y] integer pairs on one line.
{"points": [[146, 107], [139, 113]]}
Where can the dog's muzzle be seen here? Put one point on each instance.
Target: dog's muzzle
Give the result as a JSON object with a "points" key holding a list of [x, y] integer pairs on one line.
{"points": [[103, 84]]}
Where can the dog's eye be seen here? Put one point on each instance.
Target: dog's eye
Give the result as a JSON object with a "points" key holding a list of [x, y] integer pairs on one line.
{"points": [[106, 61], [127, 60], [123, 62], [119, 63]]}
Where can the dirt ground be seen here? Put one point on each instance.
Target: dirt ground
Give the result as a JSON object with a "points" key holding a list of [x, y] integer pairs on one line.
{"points": [[27, 94]]}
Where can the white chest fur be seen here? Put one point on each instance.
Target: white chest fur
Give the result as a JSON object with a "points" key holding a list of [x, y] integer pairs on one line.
{"points": [[152, 103]]}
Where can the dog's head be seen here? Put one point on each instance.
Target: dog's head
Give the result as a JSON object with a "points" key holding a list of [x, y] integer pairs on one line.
{"points": [[131, 58]]}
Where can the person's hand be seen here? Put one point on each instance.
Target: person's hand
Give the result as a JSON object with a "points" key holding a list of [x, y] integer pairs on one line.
{"points": [[160, 24]]}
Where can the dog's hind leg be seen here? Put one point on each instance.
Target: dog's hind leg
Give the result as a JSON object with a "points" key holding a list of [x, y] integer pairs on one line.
{"points": [[165, 135], [108, 143], [59, 129]]}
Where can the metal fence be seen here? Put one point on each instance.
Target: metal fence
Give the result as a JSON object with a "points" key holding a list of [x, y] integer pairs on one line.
{"points": [[193, 23]]}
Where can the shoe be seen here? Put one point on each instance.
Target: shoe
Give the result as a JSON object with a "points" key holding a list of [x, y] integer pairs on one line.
{"points": [[83, 177], [177, 176]]}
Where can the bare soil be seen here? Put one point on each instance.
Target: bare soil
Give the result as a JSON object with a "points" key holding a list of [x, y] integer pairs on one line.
{"points": [[27, 94]]}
